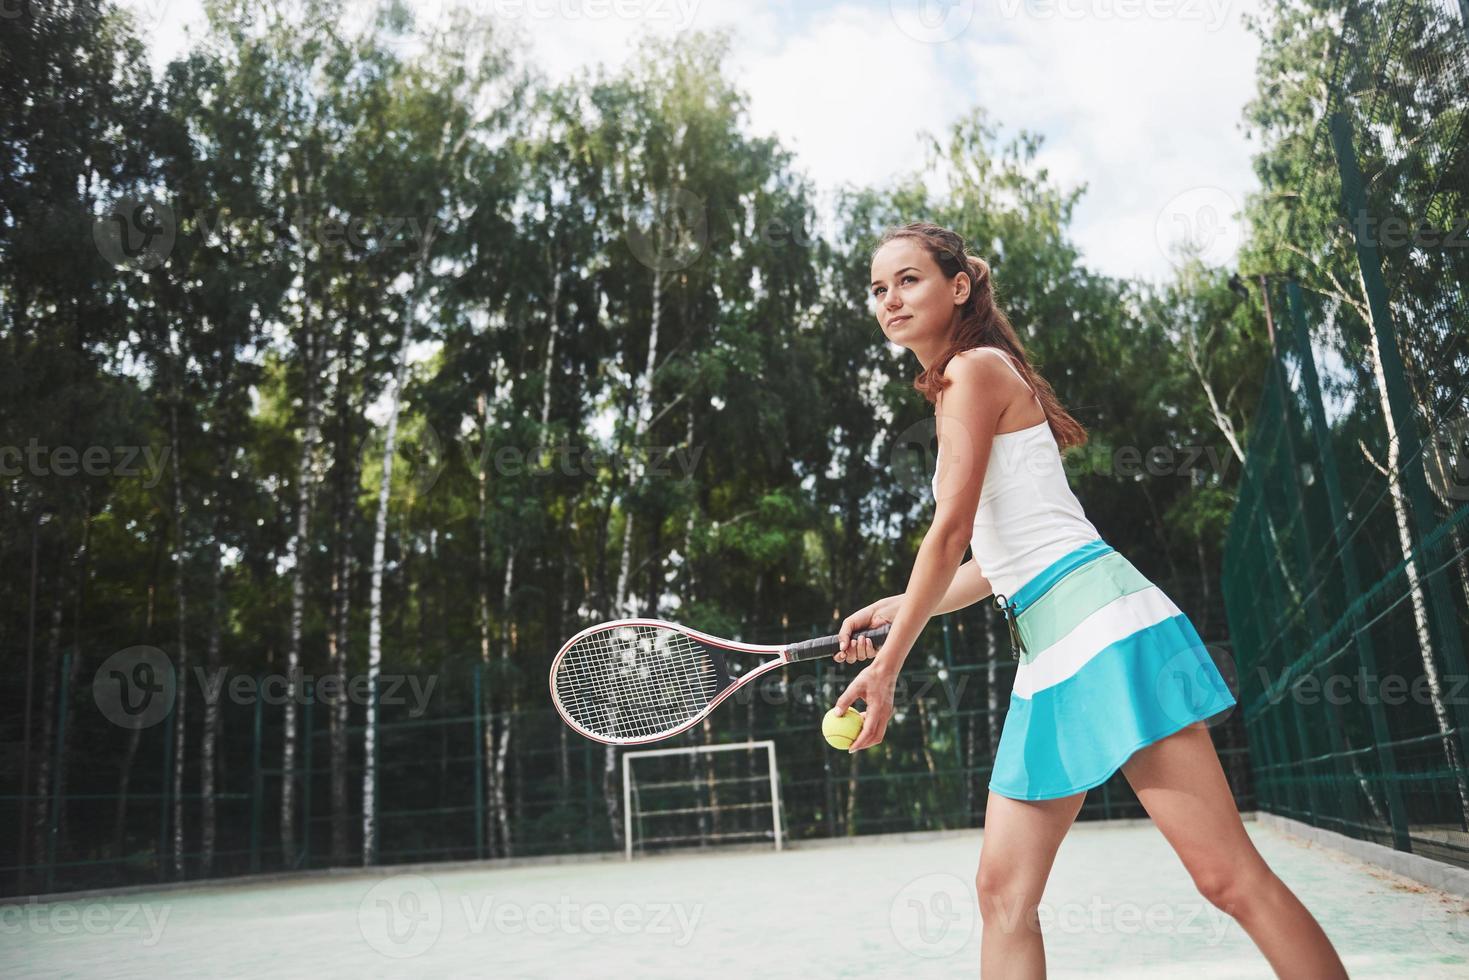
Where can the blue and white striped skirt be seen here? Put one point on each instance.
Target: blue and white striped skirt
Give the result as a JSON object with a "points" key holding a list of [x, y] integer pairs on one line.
{"points": [[1108, 664]]}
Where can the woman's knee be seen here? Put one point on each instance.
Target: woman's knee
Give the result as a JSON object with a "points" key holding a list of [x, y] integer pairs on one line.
{"points": [[1007, 895], [1234, 888]]}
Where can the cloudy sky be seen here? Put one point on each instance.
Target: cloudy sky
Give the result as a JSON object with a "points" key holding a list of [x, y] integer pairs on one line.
{"points": [[1140, 100]]}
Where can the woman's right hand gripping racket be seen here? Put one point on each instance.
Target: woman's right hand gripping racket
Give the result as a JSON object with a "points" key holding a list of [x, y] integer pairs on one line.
{"points": [[871, 617]]}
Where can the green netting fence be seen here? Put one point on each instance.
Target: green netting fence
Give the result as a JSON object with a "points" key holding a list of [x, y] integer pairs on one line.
{"points": [[451, 786], [1346, 568]]}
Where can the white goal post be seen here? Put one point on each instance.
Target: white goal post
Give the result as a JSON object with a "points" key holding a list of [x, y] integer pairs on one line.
{"points": [[629, 798]]}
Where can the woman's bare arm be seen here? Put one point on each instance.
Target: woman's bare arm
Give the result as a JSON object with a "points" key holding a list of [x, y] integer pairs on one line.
{"points": [[965, 417], [969, 586]]}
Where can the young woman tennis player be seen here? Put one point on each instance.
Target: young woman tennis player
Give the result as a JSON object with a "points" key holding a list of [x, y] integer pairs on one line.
{"points": [[1111, 674]]}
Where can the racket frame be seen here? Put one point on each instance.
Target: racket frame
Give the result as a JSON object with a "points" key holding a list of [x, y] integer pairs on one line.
{"points": [[780, 656]]}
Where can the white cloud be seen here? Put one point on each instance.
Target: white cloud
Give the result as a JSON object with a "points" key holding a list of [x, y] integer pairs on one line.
{"points": [[165, 26], [851, 97], [1141, 109]]}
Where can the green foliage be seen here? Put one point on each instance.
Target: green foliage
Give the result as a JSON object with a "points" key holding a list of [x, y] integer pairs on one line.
{"points": [[759, 489]]}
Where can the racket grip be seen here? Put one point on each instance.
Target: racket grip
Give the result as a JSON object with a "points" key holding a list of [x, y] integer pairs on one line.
{"points": [[827, 646]]}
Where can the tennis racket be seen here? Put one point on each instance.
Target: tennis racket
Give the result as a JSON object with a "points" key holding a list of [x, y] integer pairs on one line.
{"points": [[634, 681]]}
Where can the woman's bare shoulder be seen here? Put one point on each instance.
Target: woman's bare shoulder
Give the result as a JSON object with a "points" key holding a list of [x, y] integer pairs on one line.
{"points": [[974, 365]]}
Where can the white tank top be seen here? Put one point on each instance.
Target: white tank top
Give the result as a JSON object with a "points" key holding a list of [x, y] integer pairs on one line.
{"points": [[1027, 517]]}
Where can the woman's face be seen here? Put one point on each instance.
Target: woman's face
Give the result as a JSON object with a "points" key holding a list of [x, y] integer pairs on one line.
{"points": [[915, 303]]}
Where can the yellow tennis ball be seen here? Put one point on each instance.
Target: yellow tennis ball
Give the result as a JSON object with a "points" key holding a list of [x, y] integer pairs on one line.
{"points": [[841, 731]]}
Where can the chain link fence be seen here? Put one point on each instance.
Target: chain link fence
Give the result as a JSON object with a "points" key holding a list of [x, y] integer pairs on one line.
{"points": [[1345, 573], [465, 773]]}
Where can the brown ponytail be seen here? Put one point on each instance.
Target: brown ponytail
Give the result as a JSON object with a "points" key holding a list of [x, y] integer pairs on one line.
{"points": [[981, 324]]}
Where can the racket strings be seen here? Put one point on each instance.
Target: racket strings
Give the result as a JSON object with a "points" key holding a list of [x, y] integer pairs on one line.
{"points": [[635, 681]]}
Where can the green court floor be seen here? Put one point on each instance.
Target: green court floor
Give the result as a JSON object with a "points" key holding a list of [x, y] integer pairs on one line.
{"points": [[1118, 904]]}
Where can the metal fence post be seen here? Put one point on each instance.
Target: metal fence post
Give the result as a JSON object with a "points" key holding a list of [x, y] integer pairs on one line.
{"points": [[960, 790], [165, 797], [1301, 584], [479, 764], [1346, 550], [591, 794], [1257, 726], [304, 861], [1303, 752], [828, 790], [53, 832], [1444, 617], [1272, 565], [257, 782]]}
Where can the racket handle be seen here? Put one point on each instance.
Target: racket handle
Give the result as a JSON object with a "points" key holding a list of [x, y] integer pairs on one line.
{"points": [[827, 646]]}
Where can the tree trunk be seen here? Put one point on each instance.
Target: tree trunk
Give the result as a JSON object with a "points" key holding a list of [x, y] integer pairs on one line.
{"points": [[640, 426], [992, 692], [181, 701], [711, 787], [1206, 593], [563, 629], [338, 640], [379, 547], [300, 547], [851, 816], [610, 790], [686, 590], [413, 579], [1194, 350], [1406, 544], [209, 737], [491, 788], [46, 744], [502, 811], [375, 607], [339, 636], [971, 759], [125, 771], [79, 563], [549, 365], [935, 784], [507, 718], [23, 857]]}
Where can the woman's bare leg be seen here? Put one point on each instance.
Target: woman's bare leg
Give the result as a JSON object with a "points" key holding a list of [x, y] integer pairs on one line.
{"points": [[1018, 847], [1181, 784]]}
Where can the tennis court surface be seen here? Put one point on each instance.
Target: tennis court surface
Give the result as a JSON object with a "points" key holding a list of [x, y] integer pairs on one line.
{"points": [[1118, 904]]}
